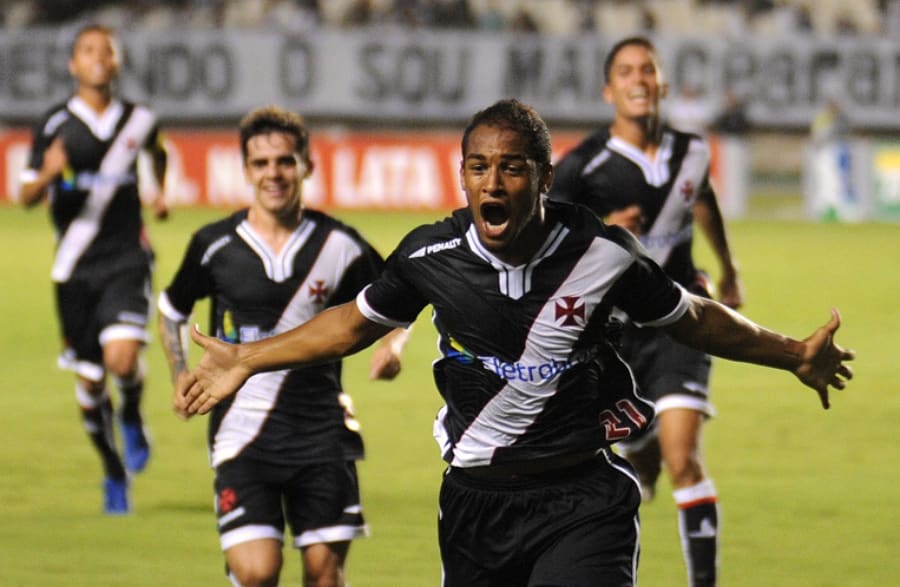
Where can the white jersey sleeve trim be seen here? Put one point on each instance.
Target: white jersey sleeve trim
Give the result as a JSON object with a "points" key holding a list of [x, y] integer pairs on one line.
{"points": [[165, 307], [680, 309], [366, 310]]}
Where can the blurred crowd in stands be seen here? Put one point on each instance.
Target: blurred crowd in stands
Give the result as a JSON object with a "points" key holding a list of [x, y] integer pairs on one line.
{"points": [[720, 17]]}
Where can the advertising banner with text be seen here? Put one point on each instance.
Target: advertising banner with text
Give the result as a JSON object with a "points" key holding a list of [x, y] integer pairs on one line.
{"points": [[386, 75], [365, 171]]}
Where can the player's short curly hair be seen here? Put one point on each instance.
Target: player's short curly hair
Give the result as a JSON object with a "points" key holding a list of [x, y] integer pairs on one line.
{"points": [[269, 119], [518, 117]]}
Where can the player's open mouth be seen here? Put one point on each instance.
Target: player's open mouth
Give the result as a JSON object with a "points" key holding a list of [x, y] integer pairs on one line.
{"points": [[495, 217]]}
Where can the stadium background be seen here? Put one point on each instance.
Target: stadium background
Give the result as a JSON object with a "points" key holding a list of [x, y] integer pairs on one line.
{"points": [[386, 84], [811, 498]]}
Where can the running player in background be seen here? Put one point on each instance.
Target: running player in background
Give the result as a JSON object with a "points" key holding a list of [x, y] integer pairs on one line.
{"points": [[521, 289], [84, 160], [654, 181], [286, 445]]}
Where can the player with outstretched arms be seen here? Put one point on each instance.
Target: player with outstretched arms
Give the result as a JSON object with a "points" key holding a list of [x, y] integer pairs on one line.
{"points": [[521, 290]]}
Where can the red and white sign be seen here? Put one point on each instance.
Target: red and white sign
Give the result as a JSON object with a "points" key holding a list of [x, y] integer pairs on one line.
{"points": [[354, 170]]}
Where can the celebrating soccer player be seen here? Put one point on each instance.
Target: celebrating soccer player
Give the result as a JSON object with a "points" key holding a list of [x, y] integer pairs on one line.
{"points": [[535, 393]]}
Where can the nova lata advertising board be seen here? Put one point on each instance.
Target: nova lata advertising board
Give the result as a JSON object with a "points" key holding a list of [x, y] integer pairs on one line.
{"points": [[354, 170]]}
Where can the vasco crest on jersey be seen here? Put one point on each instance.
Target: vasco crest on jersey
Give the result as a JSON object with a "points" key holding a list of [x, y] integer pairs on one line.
{"points": [[317, 291], [569, 311], [688, 191]]}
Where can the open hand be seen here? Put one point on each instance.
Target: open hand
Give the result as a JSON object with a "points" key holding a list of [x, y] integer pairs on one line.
{"points": [[822, 363], [218, 375]]}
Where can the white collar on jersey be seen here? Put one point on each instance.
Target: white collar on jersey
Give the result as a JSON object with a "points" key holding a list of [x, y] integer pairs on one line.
{"points": [[102, 125], [656, 171], [515, 281], [279, 266]]}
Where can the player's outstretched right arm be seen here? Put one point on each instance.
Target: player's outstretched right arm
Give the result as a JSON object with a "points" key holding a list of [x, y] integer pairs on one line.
{"points": [[330, 335]]}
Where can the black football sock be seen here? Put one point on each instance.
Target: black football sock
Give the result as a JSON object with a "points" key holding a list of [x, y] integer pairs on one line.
{"points": [[131, 390], [698, 523], [97, 417]]}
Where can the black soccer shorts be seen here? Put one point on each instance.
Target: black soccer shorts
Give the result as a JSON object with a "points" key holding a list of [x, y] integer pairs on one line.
{"points": [[576, 527], [92, 313], [668, 373], [320, 502]]}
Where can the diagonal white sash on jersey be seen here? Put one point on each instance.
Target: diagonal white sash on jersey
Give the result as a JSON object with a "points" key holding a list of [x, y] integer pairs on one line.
{"points": [[256, 399], [337, 254], [511, 412], [672, 225], [117, 161]]}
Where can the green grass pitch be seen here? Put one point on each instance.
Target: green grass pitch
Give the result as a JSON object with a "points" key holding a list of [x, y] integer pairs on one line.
{"points": [[809, 498]]}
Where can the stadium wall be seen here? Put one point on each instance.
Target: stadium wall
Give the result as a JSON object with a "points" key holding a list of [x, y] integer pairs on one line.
{"points": [[385, 75]]}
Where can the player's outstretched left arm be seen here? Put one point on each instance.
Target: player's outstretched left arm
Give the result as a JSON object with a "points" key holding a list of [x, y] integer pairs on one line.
{"points": [[817, 361]]}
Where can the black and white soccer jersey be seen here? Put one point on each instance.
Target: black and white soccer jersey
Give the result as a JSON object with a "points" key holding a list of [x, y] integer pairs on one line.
{"points": [[295, 416], [95, 206], [606, 173], [526, 368]]}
